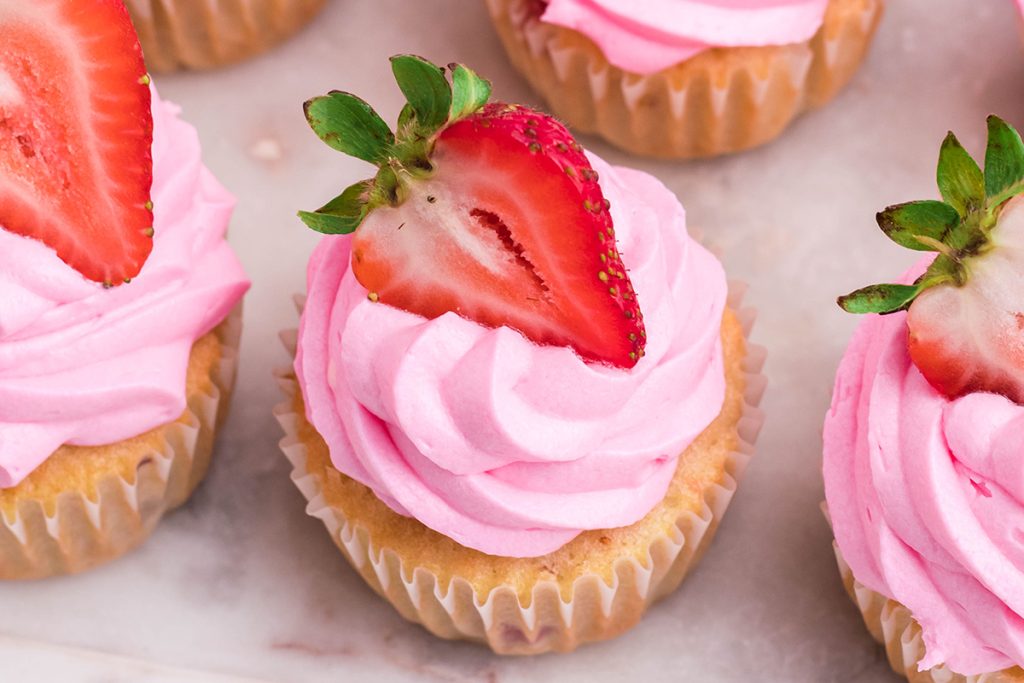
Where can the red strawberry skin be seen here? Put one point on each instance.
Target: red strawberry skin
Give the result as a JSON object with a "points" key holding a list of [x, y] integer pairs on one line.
{"points": [[76, 133], [512, 229]]}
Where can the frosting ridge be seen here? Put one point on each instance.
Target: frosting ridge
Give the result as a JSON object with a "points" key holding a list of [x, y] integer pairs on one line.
{"points": [[500, 444]]}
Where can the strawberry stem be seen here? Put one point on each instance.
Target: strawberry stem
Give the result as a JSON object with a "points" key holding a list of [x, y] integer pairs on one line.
{"points": [[350, 125], [938, 246]]}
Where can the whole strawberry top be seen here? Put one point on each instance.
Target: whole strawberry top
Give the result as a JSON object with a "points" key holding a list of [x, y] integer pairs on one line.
{"points": [[490, 211], [966, 311], [76, 131]]}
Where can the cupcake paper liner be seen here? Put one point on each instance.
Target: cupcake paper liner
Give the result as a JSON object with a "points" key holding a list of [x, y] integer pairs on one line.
{"points": [[595, 610], [200, 34], [720, 101], [892, 625], [79, 533]]}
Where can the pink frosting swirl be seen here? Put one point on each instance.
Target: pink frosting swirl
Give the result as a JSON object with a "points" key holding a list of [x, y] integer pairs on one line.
{"points": [[86, 366], [926, 497], [646, 37], [500, 444]]}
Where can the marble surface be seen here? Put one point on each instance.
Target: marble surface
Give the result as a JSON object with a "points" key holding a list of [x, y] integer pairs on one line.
{"points": [[241, 585]]}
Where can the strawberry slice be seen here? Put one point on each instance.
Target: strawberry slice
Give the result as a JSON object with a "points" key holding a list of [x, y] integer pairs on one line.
{"points": [[76, 133], [966, 312], [511, 229], [490, 211]]}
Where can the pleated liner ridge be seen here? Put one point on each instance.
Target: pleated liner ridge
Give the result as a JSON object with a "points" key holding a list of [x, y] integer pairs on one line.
{"points": [[201, 34], [720, 101], [892, 625]]}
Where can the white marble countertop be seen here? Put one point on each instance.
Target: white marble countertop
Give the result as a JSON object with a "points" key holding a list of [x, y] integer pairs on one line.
{"points": [[240, 585]]}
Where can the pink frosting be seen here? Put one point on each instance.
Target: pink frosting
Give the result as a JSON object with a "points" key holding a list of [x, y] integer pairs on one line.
{"points": [[86, 366], [926, 497], [500, 444], [651, 35]]}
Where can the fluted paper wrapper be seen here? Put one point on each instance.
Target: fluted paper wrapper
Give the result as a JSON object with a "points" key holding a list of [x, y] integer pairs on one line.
{"points": [[596, 610], [200, 34], [720, 101], [892, 625], [79, 533]]}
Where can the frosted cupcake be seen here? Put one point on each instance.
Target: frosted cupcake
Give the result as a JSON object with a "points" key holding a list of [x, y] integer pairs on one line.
{"points": [[200, 34], [925, 438], [117, 343], [522, 394], [685, 78]]}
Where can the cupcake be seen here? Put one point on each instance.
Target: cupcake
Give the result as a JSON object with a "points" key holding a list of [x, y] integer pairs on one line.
{"points": [[685, 78], [200, 34], [117, 290], [924, 443], [521, 395]]}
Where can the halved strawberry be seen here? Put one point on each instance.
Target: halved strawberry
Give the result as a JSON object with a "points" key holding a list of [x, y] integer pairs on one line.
{"points": [[76, 132], [490, 211], [966, 313]]}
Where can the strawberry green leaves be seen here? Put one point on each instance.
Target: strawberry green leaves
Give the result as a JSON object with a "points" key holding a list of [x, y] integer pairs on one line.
{"points": [[919, 225], [958, 227], [1004, 162], [426, 89], [960, 180], [890, 298], [351, 126], [469, 92], [879, 299], [343, 214]]}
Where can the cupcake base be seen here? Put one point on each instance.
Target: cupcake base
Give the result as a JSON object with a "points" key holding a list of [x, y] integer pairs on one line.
{"points": [[594, 588], [201, 34], [892, 625], [85, 506], [722, 100]]}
